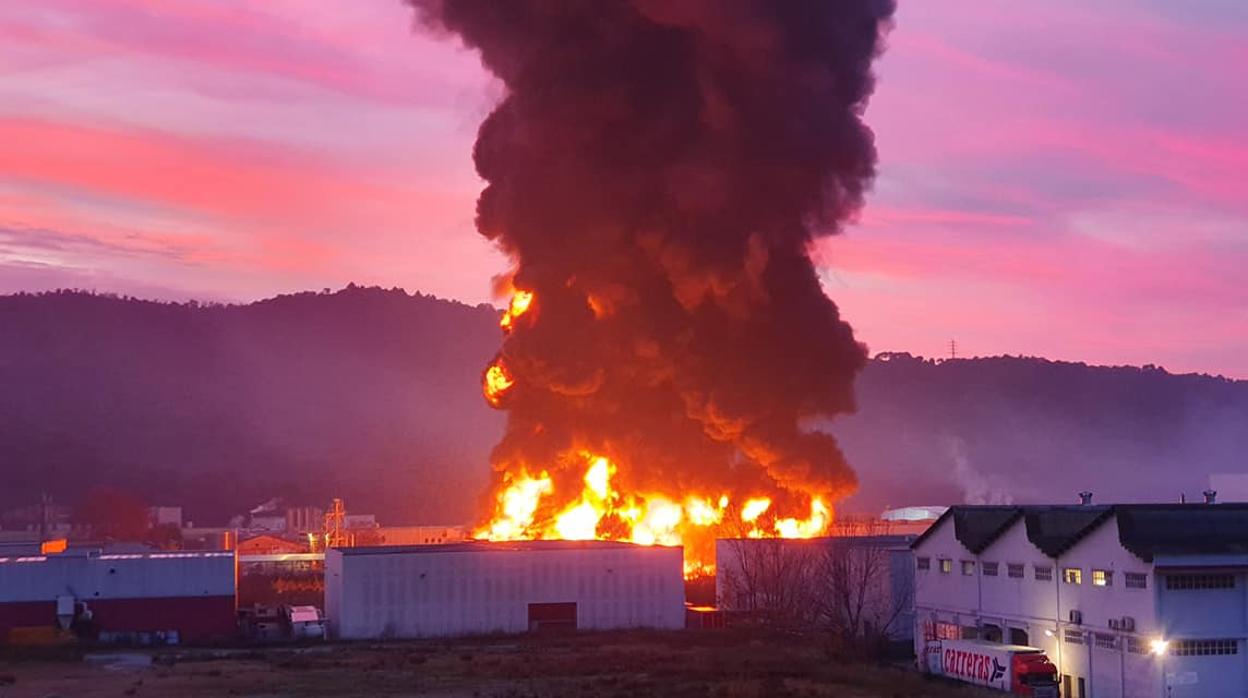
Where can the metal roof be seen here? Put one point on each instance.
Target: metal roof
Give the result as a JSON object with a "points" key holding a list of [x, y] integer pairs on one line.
{"points": [[480, 546], [1144, 529]]}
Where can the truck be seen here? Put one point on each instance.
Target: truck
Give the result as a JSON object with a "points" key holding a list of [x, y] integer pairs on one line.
{"points": [[1016, 669]]}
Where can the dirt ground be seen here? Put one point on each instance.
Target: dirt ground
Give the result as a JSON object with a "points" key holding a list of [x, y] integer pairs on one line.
{"points": [[727, 664]]}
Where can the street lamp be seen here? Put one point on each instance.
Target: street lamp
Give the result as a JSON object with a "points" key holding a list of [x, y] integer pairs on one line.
{"points": [[1159, 648]]}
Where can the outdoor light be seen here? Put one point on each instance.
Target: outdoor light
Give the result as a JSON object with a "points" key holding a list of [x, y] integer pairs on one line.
{"points": [[1048, 633], [1159, 646]]}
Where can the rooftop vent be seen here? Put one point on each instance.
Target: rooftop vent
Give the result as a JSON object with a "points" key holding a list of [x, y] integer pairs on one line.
{"points": [[1211, 496], [1085, 497]]}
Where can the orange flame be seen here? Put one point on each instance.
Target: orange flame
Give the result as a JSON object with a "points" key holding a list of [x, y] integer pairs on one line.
{"points": [[530, 508], [520, 302], [497, 381]]}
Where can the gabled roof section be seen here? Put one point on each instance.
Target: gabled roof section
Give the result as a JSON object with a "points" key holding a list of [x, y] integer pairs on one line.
{"points": [[1183, 529], [1143, 529], [974, 526], [1053, 529]]}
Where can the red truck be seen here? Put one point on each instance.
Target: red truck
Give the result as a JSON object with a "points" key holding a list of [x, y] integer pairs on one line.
{"points": [[1017, 669]]}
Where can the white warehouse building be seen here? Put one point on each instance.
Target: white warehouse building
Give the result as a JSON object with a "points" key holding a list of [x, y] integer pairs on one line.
{"points": [[478, 587], [1127, 600]]}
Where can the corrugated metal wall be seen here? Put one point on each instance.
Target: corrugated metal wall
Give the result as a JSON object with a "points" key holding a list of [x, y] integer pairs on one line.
{"points": [[116, 576], [421, 594]]}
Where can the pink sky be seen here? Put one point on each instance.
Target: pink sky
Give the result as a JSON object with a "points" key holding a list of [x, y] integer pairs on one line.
{"points": [[1063, 179]]}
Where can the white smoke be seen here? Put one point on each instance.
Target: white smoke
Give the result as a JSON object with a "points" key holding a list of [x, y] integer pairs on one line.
{"points": [[977, 488]]}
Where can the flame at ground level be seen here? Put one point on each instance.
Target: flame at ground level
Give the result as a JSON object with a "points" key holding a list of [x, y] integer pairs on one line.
{"points": [[530, 507]]}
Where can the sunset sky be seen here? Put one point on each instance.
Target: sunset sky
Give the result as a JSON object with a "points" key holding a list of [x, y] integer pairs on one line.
{"points": [[1063, 179]]}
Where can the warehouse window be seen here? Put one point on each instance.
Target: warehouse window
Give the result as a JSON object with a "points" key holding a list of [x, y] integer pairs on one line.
{"points": [[1014, 570], [924, 563], [1072, 575], [1073, 636], [946, 566], [1044, 573], [1105, 641], [1135, 646], [1184, 582], [1203, 648], [1135, 580], [990, 569], [1102, 578], [968, 567]]}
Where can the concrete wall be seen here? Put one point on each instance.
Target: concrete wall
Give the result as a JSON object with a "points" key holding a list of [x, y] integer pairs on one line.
{"points": [[427, 591]]}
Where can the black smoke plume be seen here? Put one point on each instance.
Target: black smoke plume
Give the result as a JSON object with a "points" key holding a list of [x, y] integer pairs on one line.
{"points": [[658, 170]]}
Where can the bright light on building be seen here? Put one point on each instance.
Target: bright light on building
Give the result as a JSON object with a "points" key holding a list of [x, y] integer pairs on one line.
{"points": [[1159, 646], [1048, 633]]}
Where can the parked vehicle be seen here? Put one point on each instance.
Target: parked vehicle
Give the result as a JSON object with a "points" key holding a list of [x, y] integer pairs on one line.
{"points": [[1017, 669]]}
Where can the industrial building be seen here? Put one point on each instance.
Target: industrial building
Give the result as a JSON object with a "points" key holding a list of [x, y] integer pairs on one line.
{"points": [[513, 587], [872, 573], [128, 597], [1127, 600]]}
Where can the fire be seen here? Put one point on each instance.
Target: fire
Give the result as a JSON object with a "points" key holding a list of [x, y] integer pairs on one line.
{"points": [[520, 302], [755, 508], [497, 382], [529, 507], [516, 506]]}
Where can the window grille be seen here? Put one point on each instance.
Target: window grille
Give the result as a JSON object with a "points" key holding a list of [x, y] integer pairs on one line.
{"points": [[1014, 570], [1102, 578], [1187, 582], [990, 569], [1073, 636], [946, 566], [1203, 648], [968, 567], [1072, 575], [1044, 573], [924, 563], [1105, 641], [1136, 580], [1135, 646]]}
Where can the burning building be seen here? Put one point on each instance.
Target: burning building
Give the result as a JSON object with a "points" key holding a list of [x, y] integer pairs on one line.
{"points": [[658, 173], [480, 587]]}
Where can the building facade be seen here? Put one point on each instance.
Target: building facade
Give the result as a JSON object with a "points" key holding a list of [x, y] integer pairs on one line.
{"points": [[127, 597], [1126, 600], [862, 583], [478, 588]]}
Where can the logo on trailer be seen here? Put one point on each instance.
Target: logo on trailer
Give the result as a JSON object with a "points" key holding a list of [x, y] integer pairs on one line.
{"points": [[997, 670]]}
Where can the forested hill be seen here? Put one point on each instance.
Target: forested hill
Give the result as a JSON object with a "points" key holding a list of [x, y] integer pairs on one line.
{"points": [[365, 393], [373, 395]]}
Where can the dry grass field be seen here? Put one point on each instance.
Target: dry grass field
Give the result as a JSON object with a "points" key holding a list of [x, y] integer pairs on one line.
{"points": [[728, 664]]}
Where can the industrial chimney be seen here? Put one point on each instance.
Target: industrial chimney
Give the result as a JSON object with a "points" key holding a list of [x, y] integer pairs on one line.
{"points": [[1211, 496], [1085, 497]]}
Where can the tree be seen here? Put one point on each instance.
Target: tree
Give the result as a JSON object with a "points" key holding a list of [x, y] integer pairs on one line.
{"points": [[859, 596], [114, 514], [854, 591]]}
